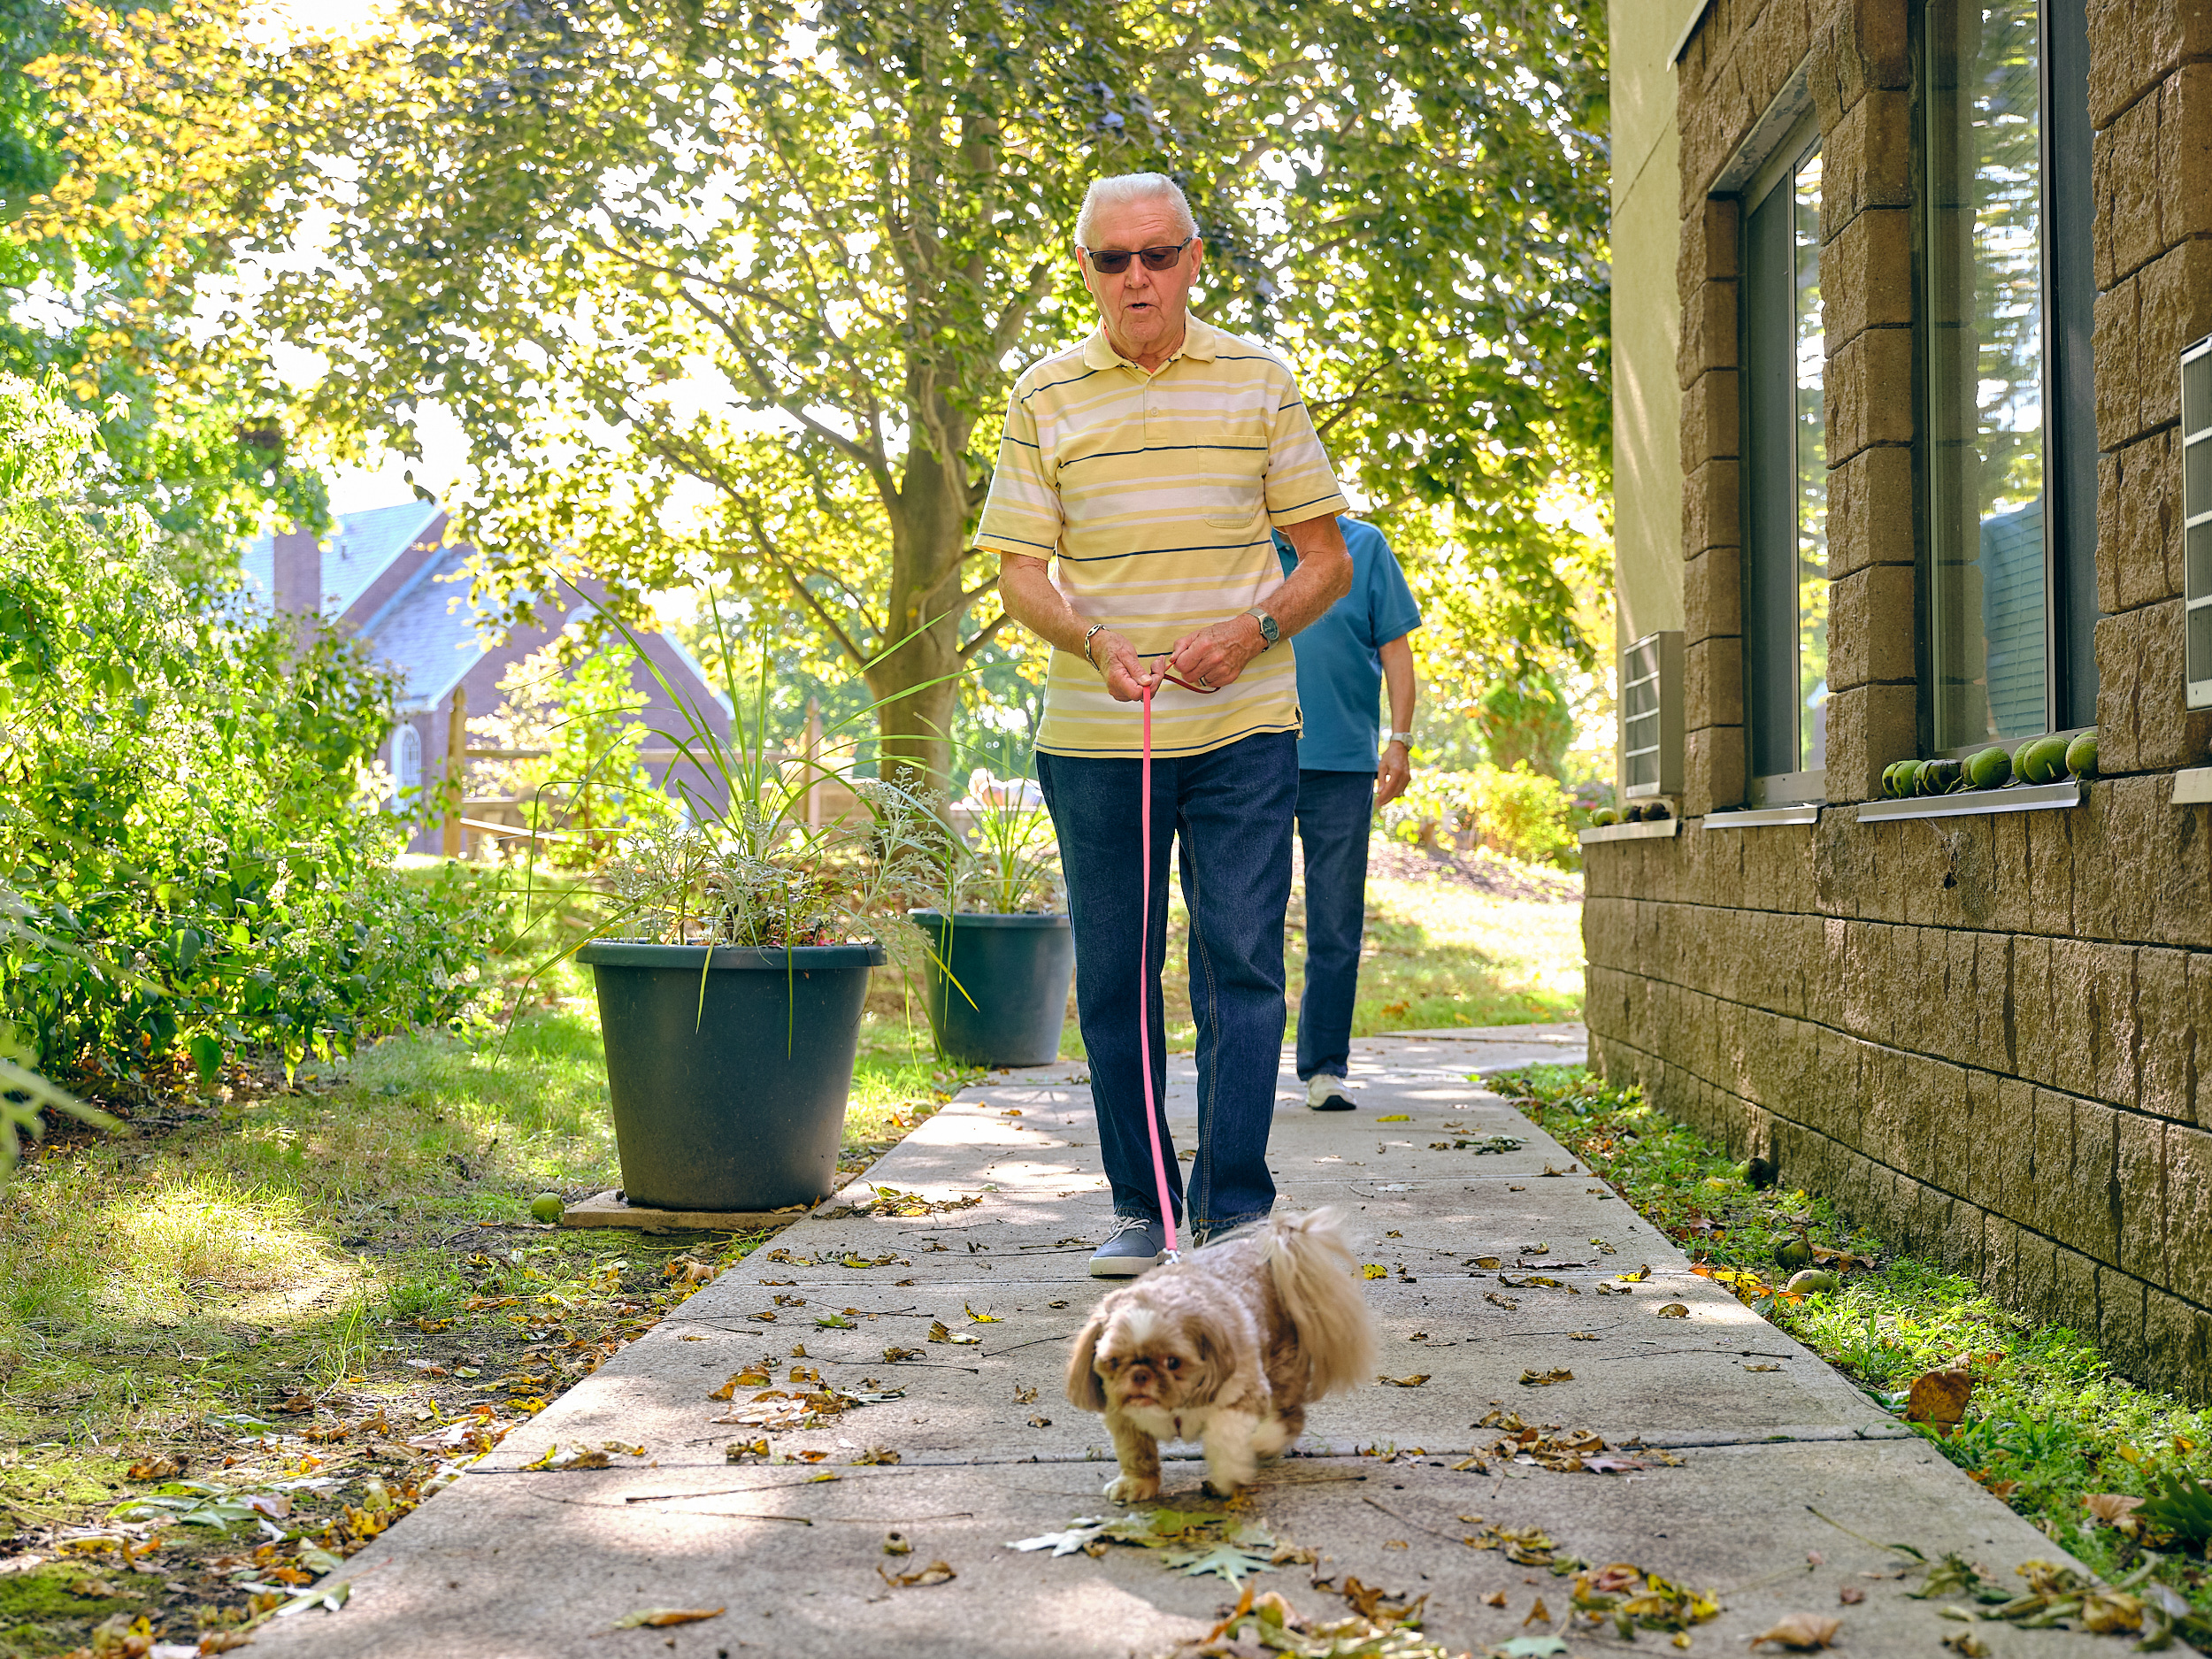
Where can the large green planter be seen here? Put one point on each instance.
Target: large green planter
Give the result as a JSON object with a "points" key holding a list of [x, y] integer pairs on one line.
{"points": [[735, 1102], [1015, 971]]}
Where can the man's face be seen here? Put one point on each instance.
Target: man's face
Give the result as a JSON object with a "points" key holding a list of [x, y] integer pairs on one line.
{"points": [[1142, 310]]}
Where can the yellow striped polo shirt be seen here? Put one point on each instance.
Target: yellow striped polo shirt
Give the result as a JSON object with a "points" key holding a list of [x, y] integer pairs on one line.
{"points": [[1157, 493]]}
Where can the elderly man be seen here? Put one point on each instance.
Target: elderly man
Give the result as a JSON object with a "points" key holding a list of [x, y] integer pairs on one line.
{"points": [[1152, 462]]}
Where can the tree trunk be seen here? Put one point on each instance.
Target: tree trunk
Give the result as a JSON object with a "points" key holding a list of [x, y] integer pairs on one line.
{"points": [[928, 544]]}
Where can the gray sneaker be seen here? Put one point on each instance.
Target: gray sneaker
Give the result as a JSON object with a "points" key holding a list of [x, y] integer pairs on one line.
{"points": [[1326, 1093], [1134, 1245]]}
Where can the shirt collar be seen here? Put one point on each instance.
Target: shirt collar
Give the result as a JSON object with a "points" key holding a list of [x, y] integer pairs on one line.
{"points": [[1200, 341]]}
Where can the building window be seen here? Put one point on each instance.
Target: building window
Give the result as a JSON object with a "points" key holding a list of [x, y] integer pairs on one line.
{"points": [[1784, 477], [406, 768], [2010, 463]]}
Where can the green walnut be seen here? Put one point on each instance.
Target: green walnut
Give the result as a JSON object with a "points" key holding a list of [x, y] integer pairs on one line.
{"points": [[546, 1207], [1897, 778], [2043, 761], [1941, 777], [1989, 769], [1603, 817], [1791, 1251], [1814, 1281], [2081, 755]]}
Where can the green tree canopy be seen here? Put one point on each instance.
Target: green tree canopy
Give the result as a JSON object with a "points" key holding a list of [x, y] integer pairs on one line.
{"points": [[739, 286]]}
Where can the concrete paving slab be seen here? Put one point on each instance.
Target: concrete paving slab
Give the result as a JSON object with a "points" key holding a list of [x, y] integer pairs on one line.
{"points": [[512, 1562]]}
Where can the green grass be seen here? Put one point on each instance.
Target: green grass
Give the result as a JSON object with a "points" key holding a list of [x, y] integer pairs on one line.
{"points": [[227, 1253], [2050, 1422]]}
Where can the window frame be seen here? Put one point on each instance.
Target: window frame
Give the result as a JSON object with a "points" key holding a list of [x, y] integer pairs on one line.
{"points": [[1778, 165], [2064, 217]]}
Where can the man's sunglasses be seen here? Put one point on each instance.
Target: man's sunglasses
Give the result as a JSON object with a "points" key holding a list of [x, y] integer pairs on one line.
{"points": [[1114, 261]]}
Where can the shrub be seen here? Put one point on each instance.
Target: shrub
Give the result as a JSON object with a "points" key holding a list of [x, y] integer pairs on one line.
{"points": [[183, 819], [1518, 814]]}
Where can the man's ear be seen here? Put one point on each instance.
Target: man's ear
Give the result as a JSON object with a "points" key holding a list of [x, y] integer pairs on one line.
{"points": [[1085, 1390]]}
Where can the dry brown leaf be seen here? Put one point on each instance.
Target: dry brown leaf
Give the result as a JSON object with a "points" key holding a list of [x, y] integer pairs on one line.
{"points": [[1801, 1632], [1768, 1366], [1412, 1379], [1850, 1595], [1544, 1378], [662, 1617], [1497, 1598], [895, 1543], [2111, 1508], [1538, 1615], [298, 1402], [159, 1467], [1967, 1644], [1508, 1303], [1673, 1311], [1940, 1396], [1582, 1336], [936, 1572]]}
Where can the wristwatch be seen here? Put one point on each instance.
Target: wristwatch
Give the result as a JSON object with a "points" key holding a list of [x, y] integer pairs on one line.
{"points": [[1400, 737], [1269, 632]]}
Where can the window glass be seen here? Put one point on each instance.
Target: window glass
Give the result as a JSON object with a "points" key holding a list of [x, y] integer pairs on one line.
{"points": [[1786, 476], [406, 768], [1984, 199]]}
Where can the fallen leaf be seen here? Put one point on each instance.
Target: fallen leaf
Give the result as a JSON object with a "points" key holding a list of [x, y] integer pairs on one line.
{"points": [[662, 1617], [939, 1333], [1484, 1261], [1474, 1463], [893, 1356], [936, 1572], [1538, 1615], [1373, 1270], [1497, 1598], [1850, 1595], [982, 1318], [2111, 1508], [876, 1455], [751, 1376], [1413, 1381], [1802, 1632], [1517, 1189], [737, 1451], [1582, 1336], [1940, 1396], [1507, 1302], [1058, 1302], [1395, 1118], [1967, 1644], [1763, 1367], [833, 1322], [298, 1402], [160, 1467], [1041, 1423], [1549, 1170], [1636, 1278], [1540, 1380], [1674, 1311], [897, 1544]]}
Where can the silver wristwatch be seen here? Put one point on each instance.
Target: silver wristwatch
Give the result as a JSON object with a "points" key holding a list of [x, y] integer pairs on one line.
{"points": [[1400, 737], [1269, 632]]}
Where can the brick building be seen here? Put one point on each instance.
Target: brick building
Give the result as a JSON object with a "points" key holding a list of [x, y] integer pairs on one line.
{"points": [[1900, 292]]}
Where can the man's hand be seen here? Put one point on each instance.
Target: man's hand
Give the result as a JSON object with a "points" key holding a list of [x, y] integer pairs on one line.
{"points": [[1213, 657], [1393, 775], [1123, 671]]}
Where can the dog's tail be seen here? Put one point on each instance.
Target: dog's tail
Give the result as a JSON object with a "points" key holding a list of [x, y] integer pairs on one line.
{"points": [[1312, 1267]]}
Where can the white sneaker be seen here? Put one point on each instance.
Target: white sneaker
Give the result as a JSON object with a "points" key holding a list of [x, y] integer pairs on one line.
{"points": [[1326, 1093]]}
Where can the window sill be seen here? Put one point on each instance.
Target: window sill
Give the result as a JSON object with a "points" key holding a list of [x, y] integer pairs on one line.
{"points": [[1761, 817], [2032, 797], [1632, 832]]}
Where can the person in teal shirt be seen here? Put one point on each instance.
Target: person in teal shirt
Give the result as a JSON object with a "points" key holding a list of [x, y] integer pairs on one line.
{"points": [[1348, 766]]}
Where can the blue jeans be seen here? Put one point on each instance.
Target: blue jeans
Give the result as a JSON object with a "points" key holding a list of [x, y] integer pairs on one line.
{"points": [[1335, 811], [1232, 808]]}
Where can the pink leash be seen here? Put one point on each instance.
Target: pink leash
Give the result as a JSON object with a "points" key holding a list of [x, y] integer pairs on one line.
{"points": [[1144, 967]]}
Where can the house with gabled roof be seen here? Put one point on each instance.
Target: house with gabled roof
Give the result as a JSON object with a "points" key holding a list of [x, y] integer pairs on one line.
{"points": [[397, 579]]}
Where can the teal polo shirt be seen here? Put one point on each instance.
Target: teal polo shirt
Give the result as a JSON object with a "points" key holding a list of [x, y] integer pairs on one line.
{"points": [[1340, 657]]}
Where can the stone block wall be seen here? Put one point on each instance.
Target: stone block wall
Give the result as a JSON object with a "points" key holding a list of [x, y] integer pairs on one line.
{"points": [[1989, 1036]]}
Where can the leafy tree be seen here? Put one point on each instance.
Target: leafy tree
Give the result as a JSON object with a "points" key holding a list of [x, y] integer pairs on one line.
{"points": [[739, 286], [116, 255]]}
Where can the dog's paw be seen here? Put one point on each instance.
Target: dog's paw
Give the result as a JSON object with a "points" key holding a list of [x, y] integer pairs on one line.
{"points": [[1133, 1488], [1215, 1488]]}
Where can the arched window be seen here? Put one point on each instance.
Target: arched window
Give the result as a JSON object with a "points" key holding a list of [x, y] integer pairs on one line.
{"points": [[406, 768]]}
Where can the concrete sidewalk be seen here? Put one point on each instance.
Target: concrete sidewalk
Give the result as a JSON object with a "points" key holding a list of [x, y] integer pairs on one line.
{"points": [[507, 1562]]}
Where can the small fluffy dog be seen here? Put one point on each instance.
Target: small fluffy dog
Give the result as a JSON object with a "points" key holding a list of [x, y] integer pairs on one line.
{"points": [[1224, 1347]]}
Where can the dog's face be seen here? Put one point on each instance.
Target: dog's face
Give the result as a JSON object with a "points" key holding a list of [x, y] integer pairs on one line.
{"points": [[1162, 1357]]}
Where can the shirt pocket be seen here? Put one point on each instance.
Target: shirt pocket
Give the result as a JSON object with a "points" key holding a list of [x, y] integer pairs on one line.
{"points": [[1231, 475]]}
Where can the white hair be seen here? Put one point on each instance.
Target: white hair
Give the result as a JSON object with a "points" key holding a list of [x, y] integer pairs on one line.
{"points": [[1133, 186]]}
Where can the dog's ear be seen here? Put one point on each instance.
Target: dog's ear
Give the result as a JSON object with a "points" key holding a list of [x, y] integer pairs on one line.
{"points": [[1085, 1390], [1210, 1367]]}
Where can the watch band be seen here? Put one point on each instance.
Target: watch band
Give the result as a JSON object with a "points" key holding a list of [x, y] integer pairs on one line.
{"points": [[1401, 737], [1270, 632]]}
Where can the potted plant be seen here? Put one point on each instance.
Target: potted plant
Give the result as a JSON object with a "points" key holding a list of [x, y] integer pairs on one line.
{"points": [[1002, 953], [733, 973]]}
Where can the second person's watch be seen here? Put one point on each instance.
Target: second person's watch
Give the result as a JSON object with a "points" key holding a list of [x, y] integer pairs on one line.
{"points": [[1269, 632]]}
